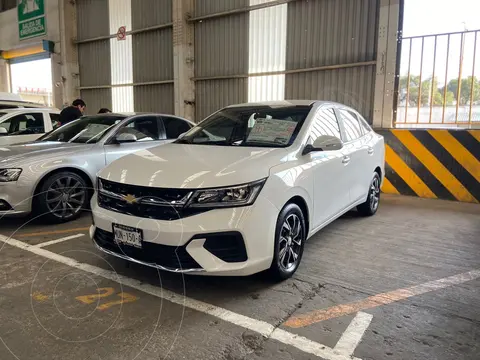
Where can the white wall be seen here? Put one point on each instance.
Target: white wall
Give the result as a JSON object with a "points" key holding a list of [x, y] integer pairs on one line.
{"points": [[9, 27], [9, 38]]}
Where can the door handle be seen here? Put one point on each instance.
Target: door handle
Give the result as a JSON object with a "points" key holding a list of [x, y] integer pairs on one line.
{"points": [[346, 160], [370, 151]]}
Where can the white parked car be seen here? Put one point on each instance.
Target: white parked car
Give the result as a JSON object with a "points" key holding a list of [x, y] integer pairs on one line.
{"points": [[242, 191], [23, 125]]}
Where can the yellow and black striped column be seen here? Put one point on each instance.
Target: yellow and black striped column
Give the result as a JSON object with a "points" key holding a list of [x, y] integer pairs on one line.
{"points": [[442, 164]]}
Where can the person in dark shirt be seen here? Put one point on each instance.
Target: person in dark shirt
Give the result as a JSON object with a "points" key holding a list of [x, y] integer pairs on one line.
{"points": [[73, 112]]}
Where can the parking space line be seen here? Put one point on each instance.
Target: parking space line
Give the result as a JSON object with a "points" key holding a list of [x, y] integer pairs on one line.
{"points": [[48, 243], [354, 333], [55, 232], [261, 327], [380, 299]]}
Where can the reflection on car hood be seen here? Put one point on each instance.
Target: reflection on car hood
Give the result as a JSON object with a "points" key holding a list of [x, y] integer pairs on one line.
{"points": [[20, 154], [194, 166]]}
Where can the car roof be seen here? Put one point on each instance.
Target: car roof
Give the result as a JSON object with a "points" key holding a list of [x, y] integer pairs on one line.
{"points": [[132, 114], [284, 103], [22, 110]]}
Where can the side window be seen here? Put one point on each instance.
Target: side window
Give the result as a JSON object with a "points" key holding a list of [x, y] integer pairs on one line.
{"points": [[363, 123], [6, 125], [55, 118], [175, 127], [325, 123], [144, 128], [27, 124], [351, 125]]}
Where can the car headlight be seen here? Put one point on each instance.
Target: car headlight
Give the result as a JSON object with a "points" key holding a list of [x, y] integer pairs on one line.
{"points": [[7, 175], [231, 196]]}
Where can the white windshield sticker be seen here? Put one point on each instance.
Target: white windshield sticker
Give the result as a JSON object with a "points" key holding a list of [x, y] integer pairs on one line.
{"points": [[272, 131]]}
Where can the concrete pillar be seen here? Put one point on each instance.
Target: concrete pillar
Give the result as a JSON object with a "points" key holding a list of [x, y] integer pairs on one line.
{"points": [[183, 58], [65, 60], [388, 35], [4, 76]]}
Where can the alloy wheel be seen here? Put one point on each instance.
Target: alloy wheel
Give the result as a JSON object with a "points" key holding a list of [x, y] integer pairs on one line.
{"points": [[375, 194], [65, 197], [290, 244]]}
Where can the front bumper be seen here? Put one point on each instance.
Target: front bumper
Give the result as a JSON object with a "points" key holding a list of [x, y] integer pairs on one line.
{"points": [[17, 196], [191, 238]]}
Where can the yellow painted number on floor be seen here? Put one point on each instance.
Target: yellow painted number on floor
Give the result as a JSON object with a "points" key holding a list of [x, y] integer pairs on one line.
{"points": [[106, 292], [125, 298], [102, 293]]}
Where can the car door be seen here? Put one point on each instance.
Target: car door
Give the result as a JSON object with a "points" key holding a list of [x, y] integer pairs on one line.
{"points": [[331, 192], [148, 130], [174, 127], [22, 128], [355, 154]]}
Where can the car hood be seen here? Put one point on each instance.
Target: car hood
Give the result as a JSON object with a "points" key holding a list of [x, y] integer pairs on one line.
{"points": [[21, 154], [194, 166]]}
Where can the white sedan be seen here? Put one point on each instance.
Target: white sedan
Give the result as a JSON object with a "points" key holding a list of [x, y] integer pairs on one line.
{"points": [[242, 191], [23, 125]]}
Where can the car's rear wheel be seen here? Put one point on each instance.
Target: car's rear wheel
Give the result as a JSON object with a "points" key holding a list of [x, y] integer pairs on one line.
{"points": [[370, 207], [290, 236], [62, 197]]}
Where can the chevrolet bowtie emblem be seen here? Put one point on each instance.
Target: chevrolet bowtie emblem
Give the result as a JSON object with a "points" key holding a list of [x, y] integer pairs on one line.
{"points": [[131, 199]]}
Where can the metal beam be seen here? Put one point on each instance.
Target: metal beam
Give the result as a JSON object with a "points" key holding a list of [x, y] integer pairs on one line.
{"points": [[161, 82], [286, 72], [239, 11], [131, 32]]}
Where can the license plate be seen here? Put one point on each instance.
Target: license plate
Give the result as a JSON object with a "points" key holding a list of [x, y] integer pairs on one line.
{"points": [[126, 235]]}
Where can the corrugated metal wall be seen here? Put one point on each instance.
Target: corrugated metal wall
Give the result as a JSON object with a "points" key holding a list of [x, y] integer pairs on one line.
{"points": [[152, 56], [332, 32], [94, 57], [221, 48], [230, 47]]}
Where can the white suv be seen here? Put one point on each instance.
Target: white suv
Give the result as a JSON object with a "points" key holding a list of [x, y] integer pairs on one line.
{"points": [[242, 191]]}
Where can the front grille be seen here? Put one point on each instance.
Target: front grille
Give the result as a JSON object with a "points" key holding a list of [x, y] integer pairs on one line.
{"points": [[162, 210], [171, 257], [228, 246]]}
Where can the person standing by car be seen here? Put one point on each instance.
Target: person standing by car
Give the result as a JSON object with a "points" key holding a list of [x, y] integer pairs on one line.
{"points": [[73, 112], [104, 111]]}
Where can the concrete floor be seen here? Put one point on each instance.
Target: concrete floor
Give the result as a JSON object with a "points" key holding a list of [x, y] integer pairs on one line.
{"points": [[50, 310]]}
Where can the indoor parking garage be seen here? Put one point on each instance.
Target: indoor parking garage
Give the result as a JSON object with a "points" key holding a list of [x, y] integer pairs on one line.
{"points": [[240, 179]]}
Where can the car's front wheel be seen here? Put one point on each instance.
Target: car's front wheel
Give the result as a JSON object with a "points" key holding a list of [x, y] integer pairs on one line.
{"points": [[290, 236], [370, 207], [61, 197]]}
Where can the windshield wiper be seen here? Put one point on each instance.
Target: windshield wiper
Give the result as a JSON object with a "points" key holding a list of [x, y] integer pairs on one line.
{"points": [[182, 141]]}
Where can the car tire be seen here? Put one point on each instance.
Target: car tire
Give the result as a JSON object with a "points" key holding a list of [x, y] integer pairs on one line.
{"points": [[290, 236], [370, 207], [61, 197]]}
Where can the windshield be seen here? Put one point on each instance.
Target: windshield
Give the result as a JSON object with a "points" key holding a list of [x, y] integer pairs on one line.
{"points": [[259, 126], [86, 130]]}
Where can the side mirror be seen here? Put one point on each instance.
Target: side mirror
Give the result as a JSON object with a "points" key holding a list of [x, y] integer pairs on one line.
{"points": [[324, 143], [3, 131], [125, 138]]}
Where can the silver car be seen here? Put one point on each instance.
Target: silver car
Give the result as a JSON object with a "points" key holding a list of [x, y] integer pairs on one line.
{"points": [[54, 175]]}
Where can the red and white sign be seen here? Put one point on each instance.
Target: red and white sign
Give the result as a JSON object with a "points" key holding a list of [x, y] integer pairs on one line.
{"points": [[122, 33]]}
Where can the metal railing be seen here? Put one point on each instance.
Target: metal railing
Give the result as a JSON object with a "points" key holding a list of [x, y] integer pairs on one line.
{"points": [[438, 84]]}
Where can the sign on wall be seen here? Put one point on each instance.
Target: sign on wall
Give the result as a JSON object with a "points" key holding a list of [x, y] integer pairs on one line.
{"points": [[31, 18]]}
